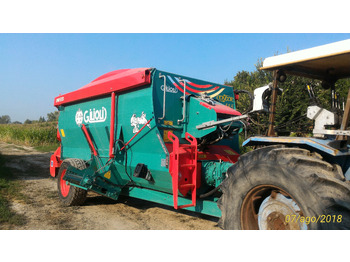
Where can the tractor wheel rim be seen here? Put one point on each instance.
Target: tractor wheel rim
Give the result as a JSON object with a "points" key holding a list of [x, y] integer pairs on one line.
{"points": [[280, 212], [64, 187], [270, 207]]}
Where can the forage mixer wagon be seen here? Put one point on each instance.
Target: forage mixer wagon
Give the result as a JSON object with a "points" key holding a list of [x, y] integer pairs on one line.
{"points": [[173, 140], [147, 134]]}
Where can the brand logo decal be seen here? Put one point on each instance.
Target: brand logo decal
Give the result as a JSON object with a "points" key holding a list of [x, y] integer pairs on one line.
{"points": [[225, 98], [91, 116], [60, 99], [137, 121], [79, 117], [169, 89]]}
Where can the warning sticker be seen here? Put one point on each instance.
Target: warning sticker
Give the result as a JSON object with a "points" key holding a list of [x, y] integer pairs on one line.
{"points": [[108, 175], [62, 133], [165, 136]]}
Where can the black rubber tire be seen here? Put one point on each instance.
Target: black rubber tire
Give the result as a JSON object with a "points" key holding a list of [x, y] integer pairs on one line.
{"points": [[76, 196], [317, 187]]}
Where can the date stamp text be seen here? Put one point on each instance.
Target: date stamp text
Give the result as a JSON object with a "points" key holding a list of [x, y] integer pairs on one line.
{"points": [[313, 219]]}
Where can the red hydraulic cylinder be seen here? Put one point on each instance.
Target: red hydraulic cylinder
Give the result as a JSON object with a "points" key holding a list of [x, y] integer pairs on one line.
{"points": [[111, 137], [88, 138], [137, 133]]}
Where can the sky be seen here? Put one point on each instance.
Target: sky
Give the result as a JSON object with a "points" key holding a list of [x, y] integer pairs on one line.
{"points": [[35, 68]]}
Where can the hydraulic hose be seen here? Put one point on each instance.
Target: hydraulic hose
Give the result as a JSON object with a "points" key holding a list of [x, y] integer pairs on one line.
{"points": [[126, 158], [251, 98], [210, 192]]}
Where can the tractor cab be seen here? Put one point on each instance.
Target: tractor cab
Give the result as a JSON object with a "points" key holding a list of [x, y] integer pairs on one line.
{"points": [[328, 64]]}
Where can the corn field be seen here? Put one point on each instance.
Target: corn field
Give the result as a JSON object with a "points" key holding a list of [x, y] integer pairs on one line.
{"points": [[31, 135]]}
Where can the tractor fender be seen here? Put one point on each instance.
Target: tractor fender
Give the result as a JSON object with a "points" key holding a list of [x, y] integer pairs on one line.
{"points": [[322, 146], [326, 148]]}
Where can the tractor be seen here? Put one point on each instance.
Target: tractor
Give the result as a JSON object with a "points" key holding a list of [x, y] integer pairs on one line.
{"points": [[296, 182], [174, 140]]}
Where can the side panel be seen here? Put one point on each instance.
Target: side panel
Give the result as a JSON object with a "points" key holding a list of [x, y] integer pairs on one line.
{"points": [[197, 114], [95, 115], [175, 89], [174, 104], [134, 109]]}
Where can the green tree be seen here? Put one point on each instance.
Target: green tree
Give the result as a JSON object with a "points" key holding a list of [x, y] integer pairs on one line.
{"points": [[53, 116], [291, 104], [5, 119], [28, 121], [41, 119], [249, 81]]}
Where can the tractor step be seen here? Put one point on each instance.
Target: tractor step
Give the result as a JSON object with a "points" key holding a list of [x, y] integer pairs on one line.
{"points": [[183, 158]]}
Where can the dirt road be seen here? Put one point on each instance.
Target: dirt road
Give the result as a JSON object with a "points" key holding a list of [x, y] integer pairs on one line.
{"points": [[42, 209]]}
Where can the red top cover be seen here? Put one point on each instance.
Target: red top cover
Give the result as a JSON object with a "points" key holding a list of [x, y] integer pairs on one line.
{"points": [[115, 81]]}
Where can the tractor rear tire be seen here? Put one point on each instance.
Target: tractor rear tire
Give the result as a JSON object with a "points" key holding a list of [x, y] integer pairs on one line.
{"points": [[68, 194], [271, 186]]}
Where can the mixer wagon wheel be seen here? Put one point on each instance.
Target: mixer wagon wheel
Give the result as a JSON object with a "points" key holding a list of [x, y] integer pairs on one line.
{"points": [[70, 195], [284, 188]]}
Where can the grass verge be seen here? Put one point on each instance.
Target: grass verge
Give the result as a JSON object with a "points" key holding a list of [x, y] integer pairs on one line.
{"points": [[47, 148], [9, 189]]}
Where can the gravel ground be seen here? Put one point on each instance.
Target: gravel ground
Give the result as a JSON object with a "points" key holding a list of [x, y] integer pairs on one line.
{"points": [[42, 209]]}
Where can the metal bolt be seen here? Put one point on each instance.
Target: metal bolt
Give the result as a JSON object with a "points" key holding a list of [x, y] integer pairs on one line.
{"points": [[273, 194]]}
